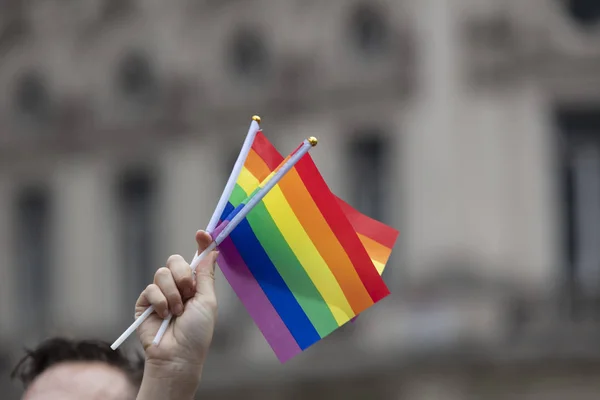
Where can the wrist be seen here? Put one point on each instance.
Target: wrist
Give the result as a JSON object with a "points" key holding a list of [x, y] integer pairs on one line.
{"points": [[169, 380]]}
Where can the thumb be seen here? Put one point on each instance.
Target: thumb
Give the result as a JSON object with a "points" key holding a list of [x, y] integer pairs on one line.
{"points": [[203, 239], [205, 272], [205, 275]]}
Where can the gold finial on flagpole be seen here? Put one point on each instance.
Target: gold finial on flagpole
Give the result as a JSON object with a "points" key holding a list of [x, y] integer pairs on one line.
{"points": [[256, 118], [313, 141]]}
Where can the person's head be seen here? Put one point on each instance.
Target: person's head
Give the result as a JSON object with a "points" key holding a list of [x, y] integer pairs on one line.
{"points": [[66, 369]]}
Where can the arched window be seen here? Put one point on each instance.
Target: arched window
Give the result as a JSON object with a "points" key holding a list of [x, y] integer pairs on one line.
{"points": [[31, 98], [369, 30], [136, 77], [367, 161], [32, 243], [136, 194], [248, 55], [580, 151]]}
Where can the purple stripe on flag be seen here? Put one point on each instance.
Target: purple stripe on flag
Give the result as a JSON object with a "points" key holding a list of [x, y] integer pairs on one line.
{"points": [[219, 228], [256, 302]]}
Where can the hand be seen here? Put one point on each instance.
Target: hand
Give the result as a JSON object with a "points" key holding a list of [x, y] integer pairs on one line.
{"points": [[193, 303]]}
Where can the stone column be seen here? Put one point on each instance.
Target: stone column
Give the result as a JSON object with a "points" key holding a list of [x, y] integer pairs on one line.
{"points": [[87, 279]]}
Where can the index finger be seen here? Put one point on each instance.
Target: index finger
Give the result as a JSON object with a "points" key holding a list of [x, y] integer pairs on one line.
{"points": [[182, 275]]}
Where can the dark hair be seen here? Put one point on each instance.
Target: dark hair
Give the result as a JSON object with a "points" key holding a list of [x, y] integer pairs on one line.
{"points": [[60, 350]]}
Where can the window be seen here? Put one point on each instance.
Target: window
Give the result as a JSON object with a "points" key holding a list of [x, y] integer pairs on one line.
{"points": [[136, 77], [581, 193], [248, 55], [137, 230], [32, 245], [15, 27], [366, 159], [31, 97], [368, 29], [584, 12]]}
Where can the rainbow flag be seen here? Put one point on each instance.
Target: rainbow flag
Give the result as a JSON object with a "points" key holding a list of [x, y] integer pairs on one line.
{"points": [[296, 262], [377, 238]]}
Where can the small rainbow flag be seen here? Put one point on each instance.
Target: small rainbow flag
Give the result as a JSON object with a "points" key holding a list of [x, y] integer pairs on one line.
{"points": [[296, 262], [377, 238]]}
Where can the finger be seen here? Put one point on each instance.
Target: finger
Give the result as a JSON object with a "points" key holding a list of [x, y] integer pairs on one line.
{"points": [[152, 296], [164, 280], [203, 239], [205, 275], [182, 274]]}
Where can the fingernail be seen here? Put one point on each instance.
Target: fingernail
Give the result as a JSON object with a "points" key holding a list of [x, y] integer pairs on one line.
{"points": [[178, 309], [165, 313]]}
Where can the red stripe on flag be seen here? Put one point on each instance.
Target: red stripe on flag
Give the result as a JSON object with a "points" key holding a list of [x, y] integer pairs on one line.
{"points": [[342, 228]]}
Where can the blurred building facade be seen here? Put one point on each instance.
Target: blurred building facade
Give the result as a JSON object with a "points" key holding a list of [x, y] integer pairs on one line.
{"points": [[472, 126]]}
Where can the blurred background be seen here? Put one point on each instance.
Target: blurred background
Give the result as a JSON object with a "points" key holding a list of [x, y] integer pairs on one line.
{"points": [[472, 126]]}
